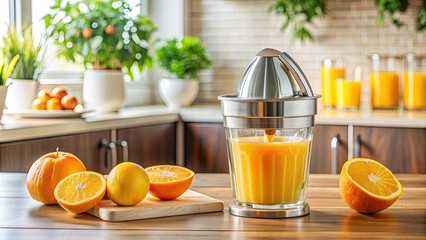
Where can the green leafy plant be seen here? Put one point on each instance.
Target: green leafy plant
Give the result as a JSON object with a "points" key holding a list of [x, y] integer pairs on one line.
{"points": [[299, 15], [31, 59], [5, 71], [390, 8], [100, 34], [421, 20], [183, 58]]}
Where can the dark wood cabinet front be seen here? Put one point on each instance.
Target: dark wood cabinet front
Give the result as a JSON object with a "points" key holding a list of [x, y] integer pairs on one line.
{"points": [[147, 145], [19, 156], [205, 147], [323, 155], [402, 150]]}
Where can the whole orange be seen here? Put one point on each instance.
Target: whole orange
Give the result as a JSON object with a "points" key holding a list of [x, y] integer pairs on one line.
{"points": [[58, 92], [109, 29], [69, 102], [38, 104], [127, 184], [47, 171], [87, 33], [43, 95], [54, 104]]}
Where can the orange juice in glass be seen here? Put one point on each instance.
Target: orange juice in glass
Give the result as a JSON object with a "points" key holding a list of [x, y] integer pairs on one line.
{"points": [[270, 173], [414, 94], [331, 70], [384, 90], [384, 82], [348, 94]]}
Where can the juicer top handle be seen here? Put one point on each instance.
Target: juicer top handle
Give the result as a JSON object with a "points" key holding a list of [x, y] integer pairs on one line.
{"points": [[297, 73]]}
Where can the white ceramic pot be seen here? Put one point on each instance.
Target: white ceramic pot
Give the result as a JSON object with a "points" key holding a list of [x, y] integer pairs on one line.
{"points": [[3, 91], [103, 90], [20, 93], [178, 93]]}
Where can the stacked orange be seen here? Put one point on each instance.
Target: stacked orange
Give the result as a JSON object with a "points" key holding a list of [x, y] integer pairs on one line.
{"points": [[57, 99]]}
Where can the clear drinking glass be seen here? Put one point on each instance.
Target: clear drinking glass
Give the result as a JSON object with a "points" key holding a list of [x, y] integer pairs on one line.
{"points": [[348, 91], [331, 70], [384, 82], [269, 168], [414, 94]]}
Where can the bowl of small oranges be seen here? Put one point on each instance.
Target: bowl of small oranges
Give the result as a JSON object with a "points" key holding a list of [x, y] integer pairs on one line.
{"points": [[56, 99]]}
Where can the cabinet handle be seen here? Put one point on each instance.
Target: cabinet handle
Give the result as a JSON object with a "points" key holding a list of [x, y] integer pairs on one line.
{"points": [[335, 142], [357, 146], [125, 146], [110, 146]]}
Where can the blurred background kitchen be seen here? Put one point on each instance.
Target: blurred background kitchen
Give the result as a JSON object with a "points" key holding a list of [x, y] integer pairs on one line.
{"points": [[234, 30]]}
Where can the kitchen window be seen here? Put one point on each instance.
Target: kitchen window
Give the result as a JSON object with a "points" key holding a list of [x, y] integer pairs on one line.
{"points": [[24, 11]]}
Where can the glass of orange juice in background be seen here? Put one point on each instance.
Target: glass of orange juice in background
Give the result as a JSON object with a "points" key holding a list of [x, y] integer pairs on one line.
{"points": [[384, 82], [331, 70], [348, 91], [414, 94]]}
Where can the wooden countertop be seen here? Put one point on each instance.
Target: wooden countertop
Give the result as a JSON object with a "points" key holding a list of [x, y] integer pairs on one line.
{"points": [[23, 218]]}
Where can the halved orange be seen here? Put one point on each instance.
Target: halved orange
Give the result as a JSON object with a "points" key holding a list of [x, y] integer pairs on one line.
{"points": [[168, 182], [367, 186], [80, 191]]}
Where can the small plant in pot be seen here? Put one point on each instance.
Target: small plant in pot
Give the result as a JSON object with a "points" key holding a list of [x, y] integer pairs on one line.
{"points": [[101, 35], [183, 59], [23, 82], [5, 71]]}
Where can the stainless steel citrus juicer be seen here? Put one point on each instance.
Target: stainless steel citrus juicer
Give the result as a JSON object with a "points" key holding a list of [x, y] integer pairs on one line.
{"points": [[269, 129]]}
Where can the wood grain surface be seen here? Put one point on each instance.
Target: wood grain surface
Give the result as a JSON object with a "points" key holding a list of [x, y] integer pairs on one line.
{"points": [[23, 218], [190, 202]]}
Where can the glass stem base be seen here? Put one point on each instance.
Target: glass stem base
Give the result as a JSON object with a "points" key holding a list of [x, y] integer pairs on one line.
{"points": [[242, 211]]}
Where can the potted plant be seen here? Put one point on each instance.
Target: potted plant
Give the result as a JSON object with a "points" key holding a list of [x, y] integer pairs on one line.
{"points": [[5, 71], [23, 81], [183, 59], [101, 35]]}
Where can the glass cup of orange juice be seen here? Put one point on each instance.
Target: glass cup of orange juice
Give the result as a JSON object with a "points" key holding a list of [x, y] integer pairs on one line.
{"points": [[269, 171], [384, 82], [414, 94], [348, 91], [331, 70]]}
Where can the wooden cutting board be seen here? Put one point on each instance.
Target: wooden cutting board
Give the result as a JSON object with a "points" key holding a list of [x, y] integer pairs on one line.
{"points": [[190, 202]]}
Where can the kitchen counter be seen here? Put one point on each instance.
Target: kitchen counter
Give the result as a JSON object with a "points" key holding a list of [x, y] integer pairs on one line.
{"points": [[24, 218], [14, 128]]}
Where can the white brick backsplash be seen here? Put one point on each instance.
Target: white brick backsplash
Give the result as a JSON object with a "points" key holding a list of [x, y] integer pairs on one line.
{"points": [[235, 30]]}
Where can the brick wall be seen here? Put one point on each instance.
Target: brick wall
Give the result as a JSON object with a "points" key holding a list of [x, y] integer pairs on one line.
{"points": [[235, 30]]}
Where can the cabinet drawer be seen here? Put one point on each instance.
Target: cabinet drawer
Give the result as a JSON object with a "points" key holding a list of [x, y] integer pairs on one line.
{"points": [[19, 156], [402, 150], [205, 147]]}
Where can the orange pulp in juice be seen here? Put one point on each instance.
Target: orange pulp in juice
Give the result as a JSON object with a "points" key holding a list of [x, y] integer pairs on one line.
{"points": [[384, 89], [348, 93], [415, 90], [328, 80], [269, 172]]}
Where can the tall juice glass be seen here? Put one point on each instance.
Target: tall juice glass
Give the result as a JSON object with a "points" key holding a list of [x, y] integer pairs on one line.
{"points": [[348, 91], [331, 70], [414, 94], [384, 82], [269, 172]]}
